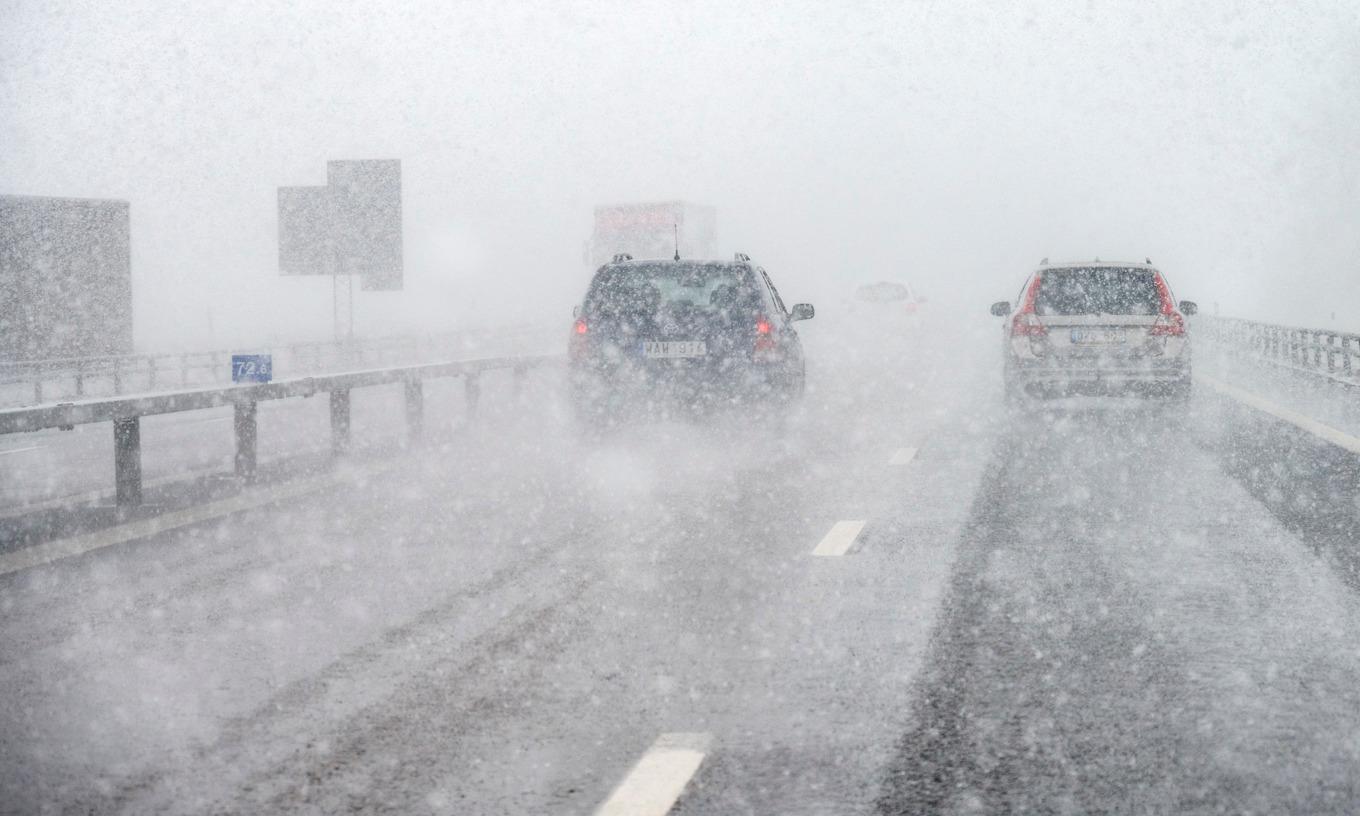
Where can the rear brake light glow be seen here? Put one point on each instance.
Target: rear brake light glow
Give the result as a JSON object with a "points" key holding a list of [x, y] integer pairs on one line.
{"points": [[579, 345], [765, 340]]}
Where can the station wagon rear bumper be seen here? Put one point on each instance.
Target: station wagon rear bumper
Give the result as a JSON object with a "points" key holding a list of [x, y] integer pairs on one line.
{"points": [[1065, 378]]}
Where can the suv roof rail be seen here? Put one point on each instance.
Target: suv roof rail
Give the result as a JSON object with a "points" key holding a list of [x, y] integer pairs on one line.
{"points": [[1149, 261], [742, 257], [1044, 262], [621, 257]]}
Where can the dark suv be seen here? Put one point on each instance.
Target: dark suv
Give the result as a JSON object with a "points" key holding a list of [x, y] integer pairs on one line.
{"points": [[661, 334]]}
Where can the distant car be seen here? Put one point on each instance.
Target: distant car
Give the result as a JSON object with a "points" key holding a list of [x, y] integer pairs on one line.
{"points": [[896, 294], [658, 334], [1096, 328]]}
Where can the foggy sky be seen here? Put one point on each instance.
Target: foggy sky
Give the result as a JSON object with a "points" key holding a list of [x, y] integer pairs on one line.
{"points": [[951, 144]]}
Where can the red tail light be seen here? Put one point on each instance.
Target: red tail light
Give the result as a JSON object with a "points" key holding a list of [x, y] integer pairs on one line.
{"points": [[577, 347], [765, 340], [1026, 322], [1168, 325]]}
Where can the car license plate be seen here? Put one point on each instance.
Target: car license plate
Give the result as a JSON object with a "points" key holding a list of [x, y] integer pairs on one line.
{"points": [[1086, 337], [672, 349]]}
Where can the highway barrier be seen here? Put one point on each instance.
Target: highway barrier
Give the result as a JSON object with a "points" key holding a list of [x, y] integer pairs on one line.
{"points": [[125, 412], [34, 382], [1324, 352]]}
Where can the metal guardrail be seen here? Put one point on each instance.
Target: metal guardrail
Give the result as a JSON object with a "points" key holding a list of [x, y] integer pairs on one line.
{"points": [[1325, 352], [126, 412], [113, 375]]}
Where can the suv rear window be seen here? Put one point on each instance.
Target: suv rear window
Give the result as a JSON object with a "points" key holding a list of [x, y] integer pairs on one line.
{"points": [[648, 288], [1101, 290]]}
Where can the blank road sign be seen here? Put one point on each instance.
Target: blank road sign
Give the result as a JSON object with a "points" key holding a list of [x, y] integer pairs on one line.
{"points": [[351, 226], [304, 231], [366, 213]]}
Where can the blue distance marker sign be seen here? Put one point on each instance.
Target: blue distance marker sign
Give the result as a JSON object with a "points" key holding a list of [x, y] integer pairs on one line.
{"points": [[251, 368]]}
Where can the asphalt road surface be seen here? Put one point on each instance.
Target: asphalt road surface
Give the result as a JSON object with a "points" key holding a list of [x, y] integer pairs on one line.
{"points": [[901, 600]]}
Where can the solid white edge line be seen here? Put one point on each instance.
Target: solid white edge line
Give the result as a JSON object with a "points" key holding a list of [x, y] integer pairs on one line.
{"points": [[50, 551], [99, 496], [841, 537], [903, 456], [21, 450], [263, 496], [655, 783], [1312, 426]]}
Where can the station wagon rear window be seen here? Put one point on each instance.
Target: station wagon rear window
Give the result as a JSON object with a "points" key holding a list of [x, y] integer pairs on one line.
{"points": [[1098, 290]]}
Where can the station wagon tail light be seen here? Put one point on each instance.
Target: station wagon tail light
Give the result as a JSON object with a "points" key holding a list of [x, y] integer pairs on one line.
{"points": [[1026, 324], [1169, 322], [763, 326], [581, 327], [1168, 325]]}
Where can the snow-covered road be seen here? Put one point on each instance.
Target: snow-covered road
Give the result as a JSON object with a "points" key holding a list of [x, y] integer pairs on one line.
{"points": [[1054, 611]]}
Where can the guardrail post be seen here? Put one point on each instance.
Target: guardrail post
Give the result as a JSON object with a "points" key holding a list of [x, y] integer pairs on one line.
{"points": [[117, 377], [340, 420], [80, 380], [246, 437], [472, 390], [37, 390], [127, 461], [415, 410]]}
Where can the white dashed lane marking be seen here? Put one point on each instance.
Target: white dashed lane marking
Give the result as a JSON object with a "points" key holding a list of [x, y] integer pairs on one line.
{"points": [[903, 456], [654, 784], [840, 539]]}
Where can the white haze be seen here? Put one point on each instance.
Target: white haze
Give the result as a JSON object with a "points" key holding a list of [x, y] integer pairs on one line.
{"points": [[953, 144]]}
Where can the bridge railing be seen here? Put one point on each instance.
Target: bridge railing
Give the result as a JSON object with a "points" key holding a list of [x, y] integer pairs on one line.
{"points": [[125, 412], [1324, 352], [33, 382]]}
